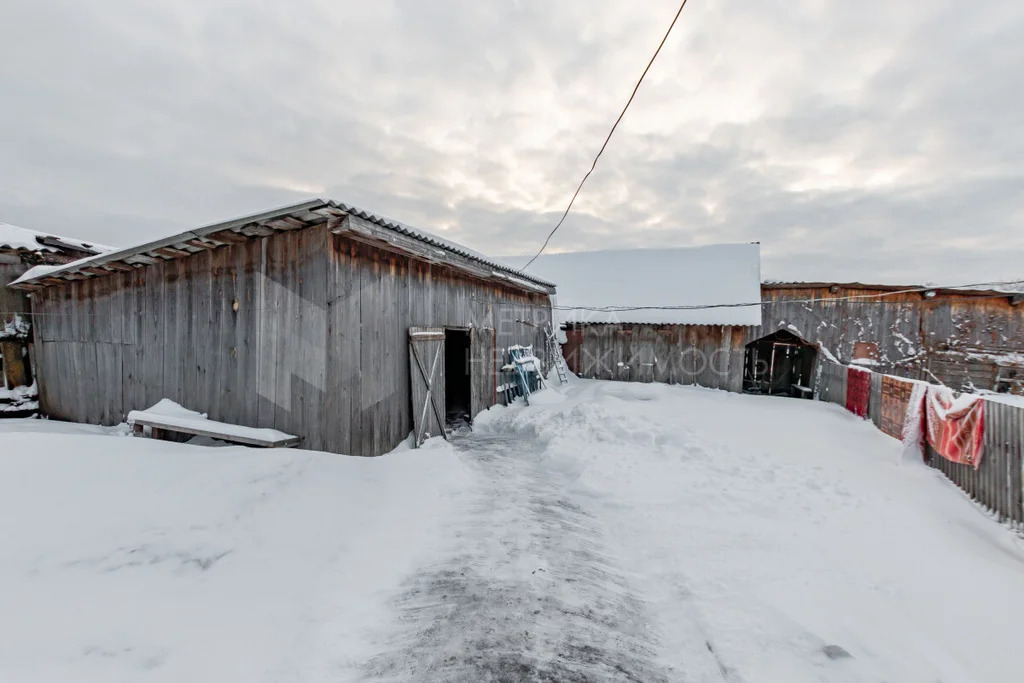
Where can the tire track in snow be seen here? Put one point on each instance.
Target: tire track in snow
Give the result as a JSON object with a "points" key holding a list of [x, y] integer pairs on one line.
{"points": [[528, 594]]}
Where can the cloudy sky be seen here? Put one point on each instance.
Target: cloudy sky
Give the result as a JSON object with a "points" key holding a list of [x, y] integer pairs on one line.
{"points": [[855, 140]]}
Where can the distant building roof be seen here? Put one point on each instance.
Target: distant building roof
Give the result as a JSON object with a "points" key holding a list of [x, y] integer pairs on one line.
{"points": [[22, 239], [295, 216], [657, 286], [1009, 288]]}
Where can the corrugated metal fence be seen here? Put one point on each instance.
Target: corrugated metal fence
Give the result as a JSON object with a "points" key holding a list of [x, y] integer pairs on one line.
{"points": [[875, 402], [997, 485], [831, 383]]}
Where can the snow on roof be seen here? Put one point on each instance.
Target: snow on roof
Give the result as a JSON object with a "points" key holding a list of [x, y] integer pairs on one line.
{"points": [[634, 285], [13, 237], [36, 271]]}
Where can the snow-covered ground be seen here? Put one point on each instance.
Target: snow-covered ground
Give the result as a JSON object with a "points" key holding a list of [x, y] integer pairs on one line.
{"points": [[128, 559], [609, 532]]}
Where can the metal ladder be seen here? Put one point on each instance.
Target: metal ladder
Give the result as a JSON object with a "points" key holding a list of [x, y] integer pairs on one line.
{"points": [[554, 351]]}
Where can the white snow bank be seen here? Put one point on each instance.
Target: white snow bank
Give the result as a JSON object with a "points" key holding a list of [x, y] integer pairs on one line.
{"points": [[169, 413], [763, 530], [18, 394], [140, 560], [15, 327], [22, 407], [1009, 399], [630, 281]]}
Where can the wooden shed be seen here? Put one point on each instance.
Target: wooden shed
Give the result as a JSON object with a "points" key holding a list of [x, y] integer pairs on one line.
{"points": [[680, 316], [968, 339], [20, 250], [317, 319], [691, 316]]}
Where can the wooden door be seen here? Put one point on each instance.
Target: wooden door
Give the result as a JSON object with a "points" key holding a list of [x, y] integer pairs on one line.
{"points": [[483, 369], [572, 349], [426, 372]]}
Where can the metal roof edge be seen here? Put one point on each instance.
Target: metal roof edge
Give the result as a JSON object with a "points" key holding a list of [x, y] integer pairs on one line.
{"points": [[436, 241], [280, 212]]}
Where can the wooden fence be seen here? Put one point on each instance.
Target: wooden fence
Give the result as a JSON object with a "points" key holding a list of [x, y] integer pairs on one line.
{"points": [[997, 485]]}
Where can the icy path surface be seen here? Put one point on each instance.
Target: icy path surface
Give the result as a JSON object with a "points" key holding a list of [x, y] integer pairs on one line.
{"points": [[529, 591], [785, 539]]}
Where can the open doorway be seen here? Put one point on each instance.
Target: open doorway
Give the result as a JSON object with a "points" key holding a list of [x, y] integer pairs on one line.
{"points": [[457, 385], [779, 364]]}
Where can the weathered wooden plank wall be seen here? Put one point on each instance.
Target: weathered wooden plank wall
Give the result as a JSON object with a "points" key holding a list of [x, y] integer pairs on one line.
{"points": [[951, 338], [376, 296], [13, 370], [303, 331], [483, 360], [12, 301], [706, 355]]}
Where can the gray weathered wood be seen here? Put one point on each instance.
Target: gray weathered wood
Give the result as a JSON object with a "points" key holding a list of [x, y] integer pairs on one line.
{"points": [[483, 369], [426, 366], [304, 331]]}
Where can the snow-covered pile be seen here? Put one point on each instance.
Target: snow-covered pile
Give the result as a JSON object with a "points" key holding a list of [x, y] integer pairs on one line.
{"points": [[19, 399], [764, 530], [131, 559], [15, 327], [169, 414]]}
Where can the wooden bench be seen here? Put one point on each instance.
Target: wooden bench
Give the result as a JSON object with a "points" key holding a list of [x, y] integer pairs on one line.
{"points": [[161, 425]]}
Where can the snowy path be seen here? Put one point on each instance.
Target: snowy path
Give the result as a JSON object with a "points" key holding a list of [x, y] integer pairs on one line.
{"points": [[529, 592], [608, 532], [781, 540]]}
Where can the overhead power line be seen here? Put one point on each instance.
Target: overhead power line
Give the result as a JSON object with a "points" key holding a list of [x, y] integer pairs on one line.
{"points": [[613, 309], [607, 139]]}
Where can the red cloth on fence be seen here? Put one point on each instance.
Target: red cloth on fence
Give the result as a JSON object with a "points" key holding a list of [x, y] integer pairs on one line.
{"points": [[955, 426], [858, 391]]}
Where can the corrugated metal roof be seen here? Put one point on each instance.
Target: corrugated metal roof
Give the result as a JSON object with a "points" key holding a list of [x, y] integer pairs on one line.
{"points": [[22, 239], [305, 212]]}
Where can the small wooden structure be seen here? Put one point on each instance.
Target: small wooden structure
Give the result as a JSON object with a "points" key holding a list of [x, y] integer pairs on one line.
{"points": [[296, 319], [680, 316], [20, 250], [780, 364]]}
